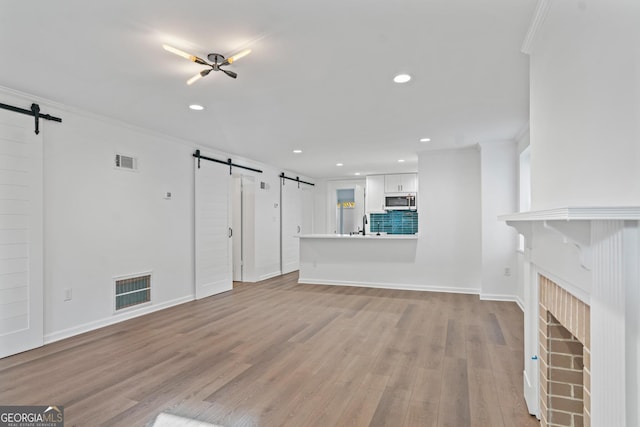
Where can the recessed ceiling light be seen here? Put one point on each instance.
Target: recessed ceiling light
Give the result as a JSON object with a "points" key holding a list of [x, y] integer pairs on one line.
{"points": [[196, 107], [401, 161], [339, 164], [425, 139], [357, 173], [402, 78], [297, 151]]}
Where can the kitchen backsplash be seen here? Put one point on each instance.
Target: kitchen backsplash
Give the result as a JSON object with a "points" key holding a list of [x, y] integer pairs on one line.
{"points": [[394, 222]]}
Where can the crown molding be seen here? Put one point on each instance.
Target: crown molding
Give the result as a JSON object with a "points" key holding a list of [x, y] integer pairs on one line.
{"points": [[596, 213], [539, 16]]}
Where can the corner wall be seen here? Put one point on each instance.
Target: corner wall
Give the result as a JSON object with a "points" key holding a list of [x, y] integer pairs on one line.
{"points": [[498, 189]]}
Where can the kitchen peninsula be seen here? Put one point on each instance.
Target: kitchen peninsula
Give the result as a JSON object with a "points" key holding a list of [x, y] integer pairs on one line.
{"points": [[357, 260]]}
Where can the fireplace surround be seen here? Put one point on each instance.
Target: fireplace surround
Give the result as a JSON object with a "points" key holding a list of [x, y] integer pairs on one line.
{"points": [[582, 290]]}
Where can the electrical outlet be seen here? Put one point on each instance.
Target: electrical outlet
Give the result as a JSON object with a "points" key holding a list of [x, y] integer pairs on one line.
{"points": [[68, 294]]}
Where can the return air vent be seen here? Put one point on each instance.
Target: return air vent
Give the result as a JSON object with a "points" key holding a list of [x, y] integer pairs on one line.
{"points": [[132, 290], [126, 162]]}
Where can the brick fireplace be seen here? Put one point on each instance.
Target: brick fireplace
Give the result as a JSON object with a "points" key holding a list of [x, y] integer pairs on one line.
{"points": [[581, 270], [565, 357]]}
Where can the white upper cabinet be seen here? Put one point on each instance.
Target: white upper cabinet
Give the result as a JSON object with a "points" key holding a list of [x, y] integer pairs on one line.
{"points": [[374, 196], [401, 183]]}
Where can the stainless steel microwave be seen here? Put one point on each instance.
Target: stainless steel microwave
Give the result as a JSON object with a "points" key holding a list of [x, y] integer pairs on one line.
{"points": [[400, 202]]}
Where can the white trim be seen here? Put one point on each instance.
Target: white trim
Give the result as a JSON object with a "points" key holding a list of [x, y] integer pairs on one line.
{"points": [[112, 320], [397, 286], [537, 22], [572, 213], [530, 395], [269, 275], [500, 297]]}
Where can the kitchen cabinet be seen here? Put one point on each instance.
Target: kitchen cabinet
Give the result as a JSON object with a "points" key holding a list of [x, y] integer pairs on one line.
{"points": [[401, 183], [374, 195]]}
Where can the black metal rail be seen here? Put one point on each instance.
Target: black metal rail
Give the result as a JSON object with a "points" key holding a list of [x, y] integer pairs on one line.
{"points": [[229, 162], [296, 179], [34, 111]]}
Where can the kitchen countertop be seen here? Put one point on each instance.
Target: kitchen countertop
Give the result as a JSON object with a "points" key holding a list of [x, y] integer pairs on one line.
{"points": [[361, 237]]}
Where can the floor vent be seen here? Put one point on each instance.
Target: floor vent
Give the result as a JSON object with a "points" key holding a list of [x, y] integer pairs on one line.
{"points": [[126, 162], [132, 290]]}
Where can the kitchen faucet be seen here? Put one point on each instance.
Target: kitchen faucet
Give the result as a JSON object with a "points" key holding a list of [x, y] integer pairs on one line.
{"points": [[364, 224]]}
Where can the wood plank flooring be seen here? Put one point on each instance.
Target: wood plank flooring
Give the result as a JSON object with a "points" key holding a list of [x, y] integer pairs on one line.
{"points": [[277, 353]]}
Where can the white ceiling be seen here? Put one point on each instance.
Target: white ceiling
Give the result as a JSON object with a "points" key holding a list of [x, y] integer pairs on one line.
{"points": [[319, 77]]}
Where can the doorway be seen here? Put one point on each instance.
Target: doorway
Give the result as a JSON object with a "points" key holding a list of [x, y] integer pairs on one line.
{"points": [[243, 227]]}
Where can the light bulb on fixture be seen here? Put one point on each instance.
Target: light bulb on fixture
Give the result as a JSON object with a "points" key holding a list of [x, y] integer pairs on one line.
{"points": [[238, 55]]}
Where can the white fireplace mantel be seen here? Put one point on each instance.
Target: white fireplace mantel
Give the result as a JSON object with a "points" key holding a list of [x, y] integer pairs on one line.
{"points": [[608, 241], [573, 224]]}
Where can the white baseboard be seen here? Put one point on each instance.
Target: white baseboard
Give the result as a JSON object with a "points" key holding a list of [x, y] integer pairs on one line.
{"points": [[268, 275], [96, 324], [399, 286], [500, 297], [530, 395]]}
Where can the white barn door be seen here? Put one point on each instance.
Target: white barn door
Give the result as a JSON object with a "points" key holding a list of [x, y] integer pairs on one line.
{"points": [[291, 225], [21, 230], [296, 218], [213, 237]]}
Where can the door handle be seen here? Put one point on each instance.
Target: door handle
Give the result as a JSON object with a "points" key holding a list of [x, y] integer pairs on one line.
{"points": [[230, 232], [298, 229]]}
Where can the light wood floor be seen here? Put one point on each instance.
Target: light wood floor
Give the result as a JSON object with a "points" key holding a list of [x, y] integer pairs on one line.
{"points": [[277, 353]]}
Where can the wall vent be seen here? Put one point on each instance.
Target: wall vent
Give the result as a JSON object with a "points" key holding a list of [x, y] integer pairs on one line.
{"points": [[126, 162], [132, 290]]}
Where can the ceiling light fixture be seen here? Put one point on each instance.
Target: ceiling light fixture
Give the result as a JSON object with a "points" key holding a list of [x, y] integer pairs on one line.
{"points": [[402, 78], [339, 164], [425, 139], [297, 151], [196, 107], [401, 161], [357, 174]]}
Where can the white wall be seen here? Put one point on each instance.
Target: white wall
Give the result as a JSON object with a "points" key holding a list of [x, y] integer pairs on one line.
{"points": [[267, 225], [585, 106], [449, 219], [447, 254], [498, 166], [101, 222]]}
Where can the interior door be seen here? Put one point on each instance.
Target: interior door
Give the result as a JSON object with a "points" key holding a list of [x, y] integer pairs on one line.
{"points": [[213, 233], [291, 225], [21, 230]]}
